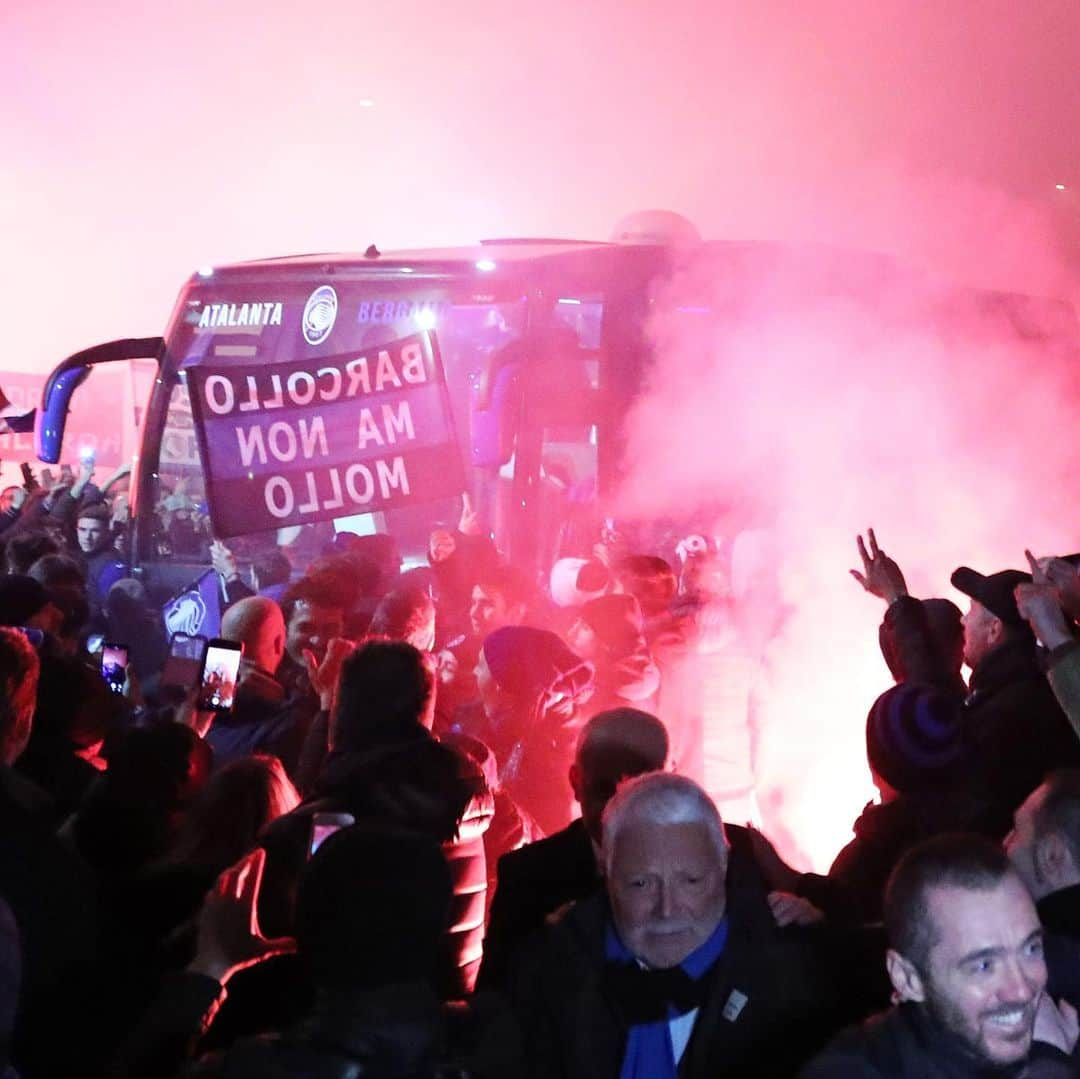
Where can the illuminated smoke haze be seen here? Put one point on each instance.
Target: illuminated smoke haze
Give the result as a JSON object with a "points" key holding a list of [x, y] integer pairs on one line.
{"points": [[142, 141], [896, 402]]}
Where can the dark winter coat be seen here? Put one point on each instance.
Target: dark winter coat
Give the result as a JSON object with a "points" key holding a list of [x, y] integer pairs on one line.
{"points": [[573, 1028], [394, 1032], [263, 720], [903, 1043], [533, 883], [51, 896], [853, 890], [1014, 728], [413, 782]]}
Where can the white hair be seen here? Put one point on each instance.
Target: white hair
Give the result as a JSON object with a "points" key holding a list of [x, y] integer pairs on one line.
{"points": [[660, 798]]}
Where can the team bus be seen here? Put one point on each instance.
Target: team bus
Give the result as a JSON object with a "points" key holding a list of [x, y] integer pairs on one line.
{"points": [[368, 392]]}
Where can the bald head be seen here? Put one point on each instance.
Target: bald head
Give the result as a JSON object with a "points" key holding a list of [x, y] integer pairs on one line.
{"points": [[613, 745], [258, 624]]}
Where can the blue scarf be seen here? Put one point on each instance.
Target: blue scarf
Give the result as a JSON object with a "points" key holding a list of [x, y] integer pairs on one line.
{"points": [[649, 1053]]}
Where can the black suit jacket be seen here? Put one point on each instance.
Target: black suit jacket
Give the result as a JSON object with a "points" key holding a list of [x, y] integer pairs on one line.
{"points": [[535, 881]]}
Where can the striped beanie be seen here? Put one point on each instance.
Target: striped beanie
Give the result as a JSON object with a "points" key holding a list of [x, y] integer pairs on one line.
{"points": [[913, 739]]}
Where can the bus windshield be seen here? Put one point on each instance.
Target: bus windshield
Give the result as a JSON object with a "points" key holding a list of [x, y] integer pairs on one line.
{"points": [[268, 322]]}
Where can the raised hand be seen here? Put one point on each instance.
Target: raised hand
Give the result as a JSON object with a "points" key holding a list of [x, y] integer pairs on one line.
{"points": [[469, 523], [1065, 577], [881, 576], [229, 938], [223, 560], [324, 677], [86, 474], [1040, 604]]}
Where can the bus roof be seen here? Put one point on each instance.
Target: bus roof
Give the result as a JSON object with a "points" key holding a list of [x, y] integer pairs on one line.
{"points": [[502, 250]]}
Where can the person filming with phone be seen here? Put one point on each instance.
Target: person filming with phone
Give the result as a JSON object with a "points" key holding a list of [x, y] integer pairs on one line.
{"points": [[385, 765], [261, 719]]}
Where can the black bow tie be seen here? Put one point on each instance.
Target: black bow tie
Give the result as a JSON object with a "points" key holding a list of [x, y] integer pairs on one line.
{"points": [[646, 996]]}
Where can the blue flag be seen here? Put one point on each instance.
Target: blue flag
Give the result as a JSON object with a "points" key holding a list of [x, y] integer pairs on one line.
{"points": [[195, 610]]}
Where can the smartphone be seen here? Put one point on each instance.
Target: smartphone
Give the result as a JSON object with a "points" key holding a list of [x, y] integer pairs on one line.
{"points": [[86, 455], [220, 670], [29, 483], [185, 660], [324, 825], [114, 661]]}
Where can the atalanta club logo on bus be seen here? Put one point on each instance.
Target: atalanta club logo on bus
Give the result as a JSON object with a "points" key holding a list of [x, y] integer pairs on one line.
{"points": [[320, 312]]}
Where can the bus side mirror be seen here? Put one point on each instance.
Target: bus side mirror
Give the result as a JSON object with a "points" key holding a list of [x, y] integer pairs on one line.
{"points": [[494, 407], [71, 374], [55, 401]]}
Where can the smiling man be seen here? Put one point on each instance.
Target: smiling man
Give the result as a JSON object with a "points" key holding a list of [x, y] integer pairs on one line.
{"points": [[966, 963], [677, 968]]}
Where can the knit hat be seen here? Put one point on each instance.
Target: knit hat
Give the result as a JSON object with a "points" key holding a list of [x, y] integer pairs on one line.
{"points": [[529, 663], [995, 593], [20, 599], [913, 737], [372, 908], [575, 581]]}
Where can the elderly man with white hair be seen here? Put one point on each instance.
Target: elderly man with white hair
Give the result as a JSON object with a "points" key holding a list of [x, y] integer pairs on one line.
{"points": [[677, 968]]}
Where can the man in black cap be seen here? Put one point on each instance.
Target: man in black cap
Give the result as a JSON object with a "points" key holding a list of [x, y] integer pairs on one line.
{"points": [[1014, 726]]}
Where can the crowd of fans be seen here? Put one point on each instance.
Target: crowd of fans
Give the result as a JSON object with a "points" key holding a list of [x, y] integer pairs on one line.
{"points": [[454, 822]]}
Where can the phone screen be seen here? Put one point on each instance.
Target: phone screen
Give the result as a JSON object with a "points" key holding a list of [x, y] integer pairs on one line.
{"points": [[220, 671], [185, 660], [114, 661]]}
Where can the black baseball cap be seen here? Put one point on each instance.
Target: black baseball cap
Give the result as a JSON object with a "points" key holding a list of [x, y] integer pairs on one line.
{"points": [[995, 592]]}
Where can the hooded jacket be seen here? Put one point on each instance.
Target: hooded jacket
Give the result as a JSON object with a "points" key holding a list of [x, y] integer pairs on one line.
{"points": [[413, 781]]}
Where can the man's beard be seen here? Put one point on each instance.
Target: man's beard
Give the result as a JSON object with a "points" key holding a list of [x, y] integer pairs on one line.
{"points": [[951, 1018]]}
